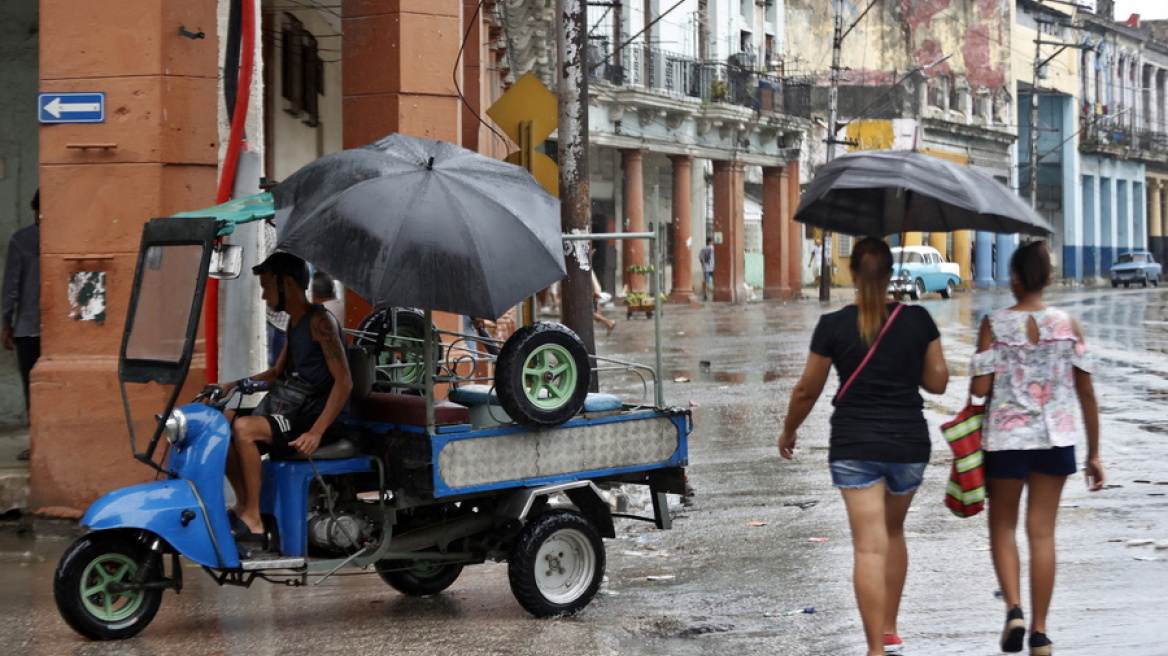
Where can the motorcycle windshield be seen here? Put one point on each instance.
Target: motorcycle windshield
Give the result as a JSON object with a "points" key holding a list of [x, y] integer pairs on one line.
{"points": [[165, 301], [163, 320], [160, 331]]}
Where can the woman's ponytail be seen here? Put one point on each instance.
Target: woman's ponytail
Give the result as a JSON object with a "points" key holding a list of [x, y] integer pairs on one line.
{"points": [[871, 268]]}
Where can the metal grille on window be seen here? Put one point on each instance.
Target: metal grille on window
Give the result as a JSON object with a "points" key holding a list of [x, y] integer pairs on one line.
{"points": [[846, 243]]}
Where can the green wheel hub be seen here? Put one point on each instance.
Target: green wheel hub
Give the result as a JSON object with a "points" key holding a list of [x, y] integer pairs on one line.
{"points": [[549, 376], [110, 606], [404, 348]]}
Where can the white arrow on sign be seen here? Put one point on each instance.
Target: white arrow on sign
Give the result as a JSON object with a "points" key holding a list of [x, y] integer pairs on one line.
{"points": [[56, 107]]}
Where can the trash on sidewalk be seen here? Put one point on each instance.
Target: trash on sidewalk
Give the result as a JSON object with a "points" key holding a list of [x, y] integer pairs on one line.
{"points": [[801, 505]]}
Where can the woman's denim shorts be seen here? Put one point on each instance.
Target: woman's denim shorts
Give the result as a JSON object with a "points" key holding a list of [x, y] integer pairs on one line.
{"points": [[898, 477]]}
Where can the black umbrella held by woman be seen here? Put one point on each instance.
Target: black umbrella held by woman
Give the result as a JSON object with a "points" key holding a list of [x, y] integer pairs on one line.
{"points": [[882, 192], [414, 222]]}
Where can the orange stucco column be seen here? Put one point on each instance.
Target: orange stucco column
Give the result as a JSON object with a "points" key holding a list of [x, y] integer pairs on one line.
{"points": [[794, 229], [776, 231], [158, 155], [397, 58], [682, 231], [729, 241], [940, 241], [963, 256], [633, 250]]}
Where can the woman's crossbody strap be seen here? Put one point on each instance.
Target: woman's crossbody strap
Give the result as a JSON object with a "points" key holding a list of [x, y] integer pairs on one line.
{"points": [[871, 350]]}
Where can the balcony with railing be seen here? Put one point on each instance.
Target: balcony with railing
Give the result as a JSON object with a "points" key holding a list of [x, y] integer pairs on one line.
{"points": [[1104, 137], [736, 82]]}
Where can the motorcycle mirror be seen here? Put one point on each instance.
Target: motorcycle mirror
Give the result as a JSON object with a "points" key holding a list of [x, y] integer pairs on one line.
{"points": [[226, 261]]}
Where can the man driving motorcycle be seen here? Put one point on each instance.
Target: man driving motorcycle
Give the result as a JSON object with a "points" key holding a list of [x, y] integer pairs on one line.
{"points": [[309, 391]]}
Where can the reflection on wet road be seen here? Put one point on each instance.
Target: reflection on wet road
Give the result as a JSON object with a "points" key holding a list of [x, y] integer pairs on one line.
{"points": [[764, 541]]}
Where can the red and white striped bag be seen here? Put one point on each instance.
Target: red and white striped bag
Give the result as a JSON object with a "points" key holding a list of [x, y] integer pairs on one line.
{"points": [[965, 494]]}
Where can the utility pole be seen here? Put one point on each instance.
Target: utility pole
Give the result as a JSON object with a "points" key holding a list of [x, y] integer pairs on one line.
{"points": [[1033, 121], [703, 30], [837, 38], [1039, 64], [575, 192]]}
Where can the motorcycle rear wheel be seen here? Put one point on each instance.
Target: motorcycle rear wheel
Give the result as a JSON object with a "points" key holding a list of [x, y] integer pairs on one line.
{"points": [[419, 578]]}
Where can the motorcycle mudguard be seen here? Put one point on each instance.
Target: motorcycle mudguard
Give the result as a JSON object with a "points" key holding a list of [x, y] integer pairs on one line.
{"points": [[172, 510]]}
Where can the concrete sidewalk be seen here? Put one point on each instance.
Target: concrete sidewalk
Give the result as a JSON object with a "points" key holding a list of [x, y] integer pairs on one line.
{"points": [[13, 472]]}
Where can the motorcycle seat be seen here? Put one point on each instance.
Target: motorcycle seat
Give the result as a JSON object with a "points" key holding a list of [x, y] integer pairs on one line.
{"points": [[338, 450]]}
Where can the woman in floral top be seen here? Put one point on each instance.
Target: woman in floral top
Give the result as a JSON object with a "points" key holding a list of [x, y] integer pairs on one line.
{"points": [[1032, 362]]}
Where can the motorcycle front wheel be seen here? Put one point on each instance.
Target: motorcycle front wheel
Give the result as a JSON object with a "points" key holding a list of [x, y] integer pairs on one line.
{"points": [[88, 586]]}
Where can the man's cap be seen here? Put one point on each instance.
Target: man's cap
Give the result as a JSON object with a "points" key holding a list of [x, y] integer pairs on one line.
{"points": [[284, 264]]}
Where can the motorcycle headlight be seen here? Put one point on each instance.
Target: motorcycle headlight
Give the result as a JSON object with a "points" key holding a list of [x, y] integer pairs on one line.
{"points": [[175, 427]]}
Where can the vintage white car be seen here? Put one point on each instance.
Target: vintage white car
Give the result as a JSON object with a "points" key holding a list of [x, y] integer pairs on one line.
{"points": [[920, 269]]}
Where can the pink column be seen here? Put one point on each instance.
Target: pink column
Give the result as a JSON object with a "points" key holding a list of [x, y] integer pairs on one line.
{"points": [[633, 250], [729, 255], [775, 233], [795, 229], [682, 289]]}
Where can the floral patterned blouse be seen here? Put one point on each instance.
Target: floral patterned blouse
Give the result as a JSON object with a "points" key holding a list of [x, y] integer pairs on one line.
{"points": [[1033, 404]]}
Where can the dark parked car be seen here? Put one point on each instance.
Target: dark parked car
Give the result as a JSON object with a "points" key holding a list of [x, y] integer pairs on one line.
{"points": [[1137, 266]]}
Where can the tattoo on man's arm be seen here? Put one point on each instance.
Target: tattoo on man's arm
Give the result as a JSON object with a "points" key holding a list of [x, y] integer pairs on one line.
{"points": [[325, 332]]}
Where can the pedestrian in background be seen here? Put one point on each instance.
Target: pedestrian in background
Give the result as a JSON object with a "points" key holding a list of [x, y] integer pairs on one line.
{"points": [[599, 298], [816, 259], [706, 258], [21, 305], [880, 443], [1032, 362]]}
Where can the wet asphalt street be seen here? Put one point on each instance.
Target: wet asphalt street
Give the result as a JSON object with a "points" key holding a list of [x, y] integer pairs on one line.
{"points": [[764, 539]]}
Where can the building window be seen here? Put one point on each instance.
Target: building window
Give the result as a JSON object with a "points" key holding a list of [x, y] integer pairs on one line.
{"points": [[302, 71], [845, 245]]}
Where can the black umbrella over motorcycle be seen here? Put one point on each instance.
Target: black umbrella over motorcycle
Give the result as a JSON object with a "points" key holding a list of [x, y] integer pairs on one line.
{"points": [[879, 193], [408, 222], [414, 222]]}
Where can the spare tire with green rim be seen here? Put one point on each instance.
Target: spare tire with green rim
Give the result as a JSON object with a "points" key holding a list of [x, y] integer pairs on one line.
{"points": [[400, 355], [542, 375]]}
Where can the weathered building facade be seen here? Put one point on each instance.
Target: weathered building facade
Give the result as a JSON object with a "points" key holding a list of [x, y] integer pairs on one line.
{"points": [[935, 77], [1123, 142], [686, 112]]}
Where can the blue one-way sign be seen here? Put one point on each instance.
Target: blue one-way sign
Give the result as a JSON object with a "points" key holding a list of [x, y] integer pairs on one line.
{"points": [[72, 107]]}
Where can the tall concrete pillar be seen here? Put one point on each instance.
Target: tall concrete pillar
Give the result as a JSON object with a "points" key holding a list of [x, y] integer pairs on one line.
{"points": [[1006, 245], [794, 243], [729, 255], [775, 232], [389, 87], [940, 241], [633, 250], [155, 154], [914, 239], [962, 255], [682, 230], [1156, 219], [984, 260]]}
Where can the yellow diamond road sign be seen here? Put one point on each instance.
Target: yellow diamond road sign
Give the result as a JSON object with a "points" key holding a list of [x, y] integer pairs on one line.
{"points": [[526, 100]]}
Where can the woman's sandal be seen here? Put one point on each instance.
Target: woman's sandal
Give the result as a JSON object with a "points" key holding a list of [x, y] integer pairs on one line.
{"points": [[1040, 645], [1014, 632]]}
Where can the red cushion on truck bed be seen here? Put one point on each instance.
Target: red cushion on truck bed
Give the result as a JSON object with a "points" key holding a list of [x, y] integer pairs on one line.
{"points": [[409, 409]]}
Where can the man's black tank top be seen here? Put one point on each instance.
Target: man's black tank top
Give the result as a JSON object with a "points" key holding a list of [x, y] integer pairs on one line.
{"points": [[307, 360]]}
